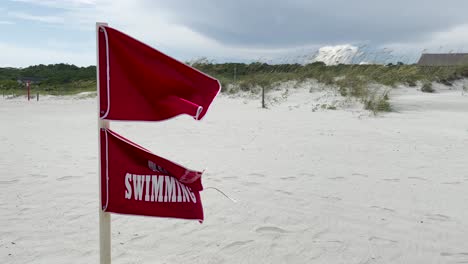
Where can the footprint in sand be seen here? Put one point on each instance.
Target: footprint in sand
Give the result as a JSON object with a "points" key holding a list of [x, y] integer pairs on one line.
{"points": [[9, 181], [66, 178], [360, 174], [25, 209], [87, 253], [251, 183], [438, 217], [318, 234], [38, 176], [457, 257], [307, 174], [447, 254], [418, 178], [335, 246], [289, 178], [452, 183], [381, 240], [136, 237], [257, 175], [331, 198], [284, 192], [270, 230], [339, 178], [75, 217], [392, 180], [237, 244], [383, 208]]}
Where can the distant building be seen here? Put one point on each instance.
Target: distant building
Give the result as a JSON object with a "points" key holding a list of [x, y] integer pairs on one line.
{"points": [[29, 79], [443, 59]]}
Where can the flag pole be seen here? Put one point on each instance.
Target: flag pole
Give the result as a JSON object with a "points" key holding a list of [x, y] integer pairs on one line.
{"points": [[104, 218], [28, 84]]}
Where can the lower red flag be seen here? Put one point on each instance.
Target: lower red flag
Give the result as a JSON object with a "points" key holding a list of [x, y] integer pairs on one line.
{"points": [[135, 181]]}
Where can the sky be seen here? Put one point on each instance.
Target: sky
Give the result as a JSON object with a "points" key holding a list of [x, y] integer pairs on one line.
{"points": [[63, 31]]}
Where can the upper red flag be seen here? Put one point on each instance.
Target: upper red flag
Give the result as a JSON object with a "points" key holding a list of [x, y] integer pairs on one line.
{"points": [[137, 82], [135, 181]]}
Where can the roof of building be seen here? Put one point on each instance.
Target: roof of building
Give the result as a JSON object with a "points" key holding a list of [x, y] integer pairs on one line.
{"points": [[443, 59]]}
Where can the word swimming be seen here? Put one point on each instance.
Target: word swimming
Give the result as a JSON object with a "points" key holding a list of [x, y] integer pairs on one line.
{"points": [[157, 188]]}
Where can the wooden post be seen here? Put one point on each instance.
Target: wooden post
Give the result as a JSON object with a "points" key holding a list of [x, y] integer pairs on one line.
{"points": [[104, 218], [263, 97], [28, 85]]}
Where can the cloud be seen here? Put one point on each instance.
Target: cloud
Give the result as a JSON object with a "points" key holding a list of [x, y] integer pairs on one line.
{"points": [[451, 40], [36, 18], [155, 27], [260, 30], [152, 28], [59, 4], [333, 55], [6, 22], [302, 22], [13, 55]]}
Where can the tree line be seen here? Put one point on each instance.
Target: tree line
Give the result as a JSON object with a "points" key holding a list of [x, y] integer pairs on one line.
{"points": [[47, 77]]}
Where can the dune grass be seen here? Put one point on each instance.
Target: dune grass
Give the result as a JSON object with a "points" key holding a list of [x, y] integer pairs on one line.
{"points": [[354, 81]]}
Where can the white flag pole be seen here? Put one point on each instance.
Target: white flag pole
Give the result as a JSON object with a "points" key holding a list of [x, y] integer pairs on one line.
{"points": [[104, 218]]}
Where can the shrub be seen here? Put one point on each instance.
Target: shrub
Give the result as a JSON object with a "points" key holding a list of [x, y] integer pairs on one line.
{"points": [[427, 88], [343, 91], [411, 83], [377, 105], [385, 96]]}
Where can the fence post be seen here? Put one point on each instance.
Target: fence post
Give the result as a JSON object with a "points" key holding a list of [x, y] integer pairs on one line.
{"points": [[263, 97]]}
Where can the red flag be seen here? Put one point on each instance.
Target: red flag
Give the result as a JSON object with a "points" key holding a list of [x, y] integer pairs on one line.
{"points": [[137, 82], [135, 181]]}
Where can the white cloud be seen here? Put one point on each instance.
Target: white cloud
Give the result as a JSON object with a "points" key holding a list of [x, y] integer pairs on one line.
{"points": [[62, 4], [44, 19], [19, 56], [151, 23], [451, 40], [333, 55], [154, 27]]}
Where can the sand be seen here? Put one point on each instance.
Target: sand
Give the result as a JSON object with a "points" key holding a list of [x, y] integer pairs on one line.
{"points": [[312, 185]]}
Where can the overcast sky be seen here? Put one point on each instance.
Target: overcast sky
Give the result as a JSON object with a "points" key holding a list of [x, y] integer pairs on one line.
{"points": [[53, 31]]}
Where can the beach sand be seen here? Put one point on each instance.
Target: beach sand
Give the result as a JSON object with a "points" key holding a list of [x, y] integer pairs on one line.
{"points": [[311, 185]]}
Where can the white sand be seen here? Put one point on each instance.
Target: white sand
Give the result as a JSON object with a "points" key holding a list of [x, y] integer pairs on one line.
{"points": [[335, 186]]}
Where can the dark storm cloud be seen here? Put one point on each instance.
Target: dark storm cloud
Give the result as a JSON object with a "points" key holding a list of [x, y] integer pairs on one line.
{"points": [[294, 22]]}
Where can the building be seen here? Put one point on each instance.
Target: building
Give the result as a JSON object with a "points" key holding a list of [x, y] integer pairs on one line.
{"points": [[23, 80], [443, 59]]}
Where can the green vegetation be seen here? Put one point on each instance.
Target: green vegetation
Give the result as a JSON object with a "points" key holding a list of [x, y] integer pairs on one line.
{"points": [[354, 81], [427, 87], [262, 74], [56, 79], [350, 80], [377, 103]]}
